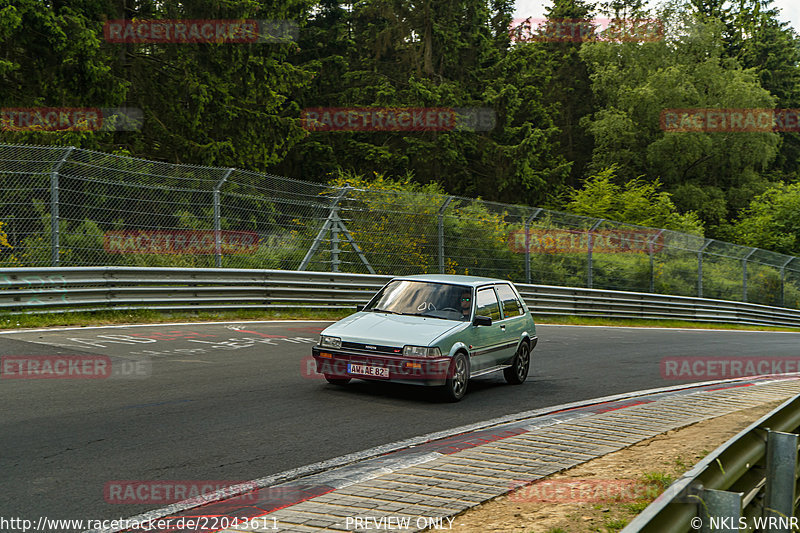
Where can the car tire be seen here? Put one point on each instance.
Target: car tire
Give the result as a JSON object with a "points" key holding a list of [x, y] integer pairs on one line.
{"points": [[455, 386], [337, 381], [518, 371]]}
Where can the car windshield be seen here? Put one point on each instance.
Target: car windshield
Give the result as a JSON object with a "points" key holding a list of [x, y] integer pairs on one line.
{"points": [[436, 300]]}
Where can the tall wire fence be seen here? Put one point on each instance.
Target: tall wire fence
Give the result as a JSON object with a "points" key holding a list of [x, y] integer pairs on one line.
{"points": [[64, 206]]}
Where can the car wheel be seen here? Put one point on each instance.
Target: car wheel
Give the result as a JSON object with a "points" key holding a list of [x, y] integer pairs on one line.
{"points": [[337, 381], [518, 371], [458, 376]]}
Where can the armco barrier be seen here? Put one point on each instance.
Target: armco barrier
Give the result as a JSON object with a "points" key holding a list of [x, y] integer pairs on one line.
{"points": [[56, 290], [751, 478]]}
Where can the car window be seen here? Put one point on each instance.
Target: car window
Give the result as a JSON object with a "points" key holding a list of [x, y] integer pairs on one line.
{"points": [[487, 304], [430, 299], [508, 299]]}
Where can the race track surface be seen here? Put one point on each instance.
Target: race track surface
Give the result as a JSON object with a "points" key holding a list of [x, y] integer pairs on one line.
{"points": [[237, 401]]}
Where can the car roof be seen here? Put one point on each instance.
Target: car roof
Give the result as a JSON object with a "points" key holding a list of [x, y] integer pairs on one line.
{"points": [[473, 281]]}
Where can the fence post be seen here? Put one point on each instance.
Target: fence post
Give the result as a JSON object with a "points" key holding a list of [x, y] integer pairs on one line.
{"points": [[700, 267], [781, 477], [528, 244], [330, 222], [441, 232], [652, 265], [783, 281], [217, 221], [719, 505], [55, 216], [744, 273], [335, 239], [590, 266]]}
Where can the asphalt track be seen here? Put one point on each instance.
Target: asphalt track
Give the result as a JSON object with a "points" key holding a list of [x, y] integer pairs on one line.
{"points": [[236, 402]]}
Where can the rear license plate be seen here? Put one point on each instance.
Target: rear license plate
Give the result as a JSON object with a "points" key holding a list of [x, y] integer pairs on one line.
{"points": [[372, 371]]}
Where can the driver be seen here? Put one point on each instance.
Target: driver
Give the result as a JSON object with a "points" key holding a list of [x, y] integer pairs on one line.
{"points": [[466, 304]]}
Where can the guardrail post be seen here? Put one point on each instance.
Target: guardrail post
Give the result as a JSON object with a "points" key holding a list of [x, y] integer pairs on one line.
{"points": [[720, 510], [55, 216], [441, 232], [652, 263], [783, 281], [589, 265], [781, 477], [217, 221], [700, 267], [744, 273], [528, 243]]}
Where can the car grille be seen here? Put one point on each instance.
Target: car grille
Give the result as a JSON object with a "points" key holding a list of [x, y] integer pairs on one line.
{"points": [[373, 348]]}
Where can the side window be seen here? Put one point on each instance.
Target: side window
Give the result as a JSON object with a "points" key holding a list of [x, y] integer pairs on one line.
{"points": [[509, 301], [487, 304]]}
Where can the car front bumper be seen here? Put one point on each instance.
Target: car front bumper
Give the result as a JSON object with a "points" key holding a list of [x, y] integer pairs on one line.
{"points": [[337, 363]]}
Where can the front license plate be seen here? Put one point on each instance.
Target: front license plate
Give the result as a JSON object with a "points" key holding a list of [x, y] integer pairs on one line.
{"points": [[363, 370]]}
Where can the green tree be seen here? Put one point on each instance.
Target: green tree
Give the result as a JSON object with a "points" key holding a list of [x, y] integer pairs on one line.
{"points": [[211, 103], [227, 104], [52, 55], [569, 89], [771, 48], [712, 173], [636, 202], [772, 220], [384, 53]]}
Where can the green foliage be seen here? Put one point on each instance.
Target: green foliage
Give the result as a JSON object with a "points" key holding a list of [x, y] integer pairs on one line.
{"points": [[637, 202], [3, 237], [634, 82], [395, 223], [53, 55], [568, 90], [430, 54], [222, 104], [615, 524], [772, 220]]}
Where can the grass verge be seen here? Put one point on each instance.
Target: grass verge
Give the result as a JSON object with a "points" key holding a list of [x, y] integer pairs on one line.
{"points": [[651, 323], [102, 318]]}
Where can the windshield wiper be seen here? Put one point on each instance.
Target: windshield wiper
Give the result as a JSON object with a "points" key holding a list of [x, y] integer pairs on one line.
{"points": [[424, 315], [376, 310]]}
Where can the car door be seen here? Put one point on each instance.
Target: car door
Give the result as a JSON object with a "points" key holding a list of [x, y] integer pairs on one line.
{"points": [[490, 344], [513, 320]]}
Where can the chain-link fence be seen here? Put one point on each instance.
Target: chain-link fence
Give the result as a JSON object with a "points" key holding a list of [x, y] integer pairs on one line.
{"points": [[62, 206]]}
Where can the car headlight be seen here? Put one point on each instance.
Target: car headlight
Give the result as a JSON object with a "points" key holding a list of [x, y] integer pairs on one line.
{"points": [[421, 351], [330, 342]]}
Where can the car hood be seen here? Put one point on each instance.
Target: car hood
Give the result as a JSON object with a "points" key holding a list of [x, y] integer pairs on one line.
{"points": [[391, 330]]}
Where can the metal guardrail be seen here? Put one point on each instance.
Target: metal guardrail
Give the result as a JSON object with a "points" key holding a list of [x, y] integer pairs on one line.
{"points": [[753, 476], [57, 290]]}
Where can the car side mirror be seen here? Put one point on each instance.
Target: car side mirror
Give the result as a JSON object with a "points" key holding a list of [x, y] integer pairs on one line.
{"points": [[481, 320], [360, 307]]}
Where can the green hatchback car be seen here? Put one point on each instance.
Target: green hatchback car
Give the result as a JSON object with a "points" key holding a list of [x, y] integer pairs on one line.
{"points": [[434, 330]]}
